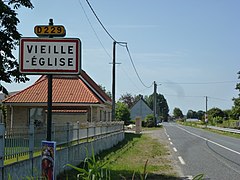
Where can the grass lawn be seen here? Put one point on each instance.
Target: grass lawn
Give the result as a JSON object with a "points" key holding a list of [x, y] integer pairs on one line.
{"points": [[128, 159]]}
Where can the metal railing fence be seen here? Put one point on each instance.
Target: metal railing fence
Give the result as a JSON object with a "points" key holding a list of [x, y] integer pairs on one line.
{"points": [[21, 142]]}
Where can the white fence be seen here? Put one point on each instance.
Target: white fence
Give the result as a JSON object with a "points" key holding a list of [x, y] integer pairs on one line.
{"points": [[21, 143]]}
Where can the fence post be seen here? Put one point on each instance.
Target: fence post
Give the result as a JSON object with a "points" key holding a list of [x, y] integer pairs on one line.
{"points": [[78, 131], [2, 147], [31, 143], [101, 129], [68, 131], [87, 132]]}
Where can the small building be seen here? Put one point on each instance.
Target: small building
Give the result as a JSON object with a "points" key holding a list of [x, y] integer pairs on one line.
{"points": [[75, 98], [140, 109]]}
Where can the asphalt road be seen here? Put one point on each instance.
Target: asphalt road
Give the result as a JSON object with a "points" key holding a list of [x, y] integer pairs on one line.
{"points": [[202, 152]]}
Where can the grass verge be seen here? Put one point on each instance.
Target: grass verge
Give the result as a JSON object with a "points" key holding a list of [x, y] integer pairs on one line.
{"points": [[200, 125], [129, 157]]}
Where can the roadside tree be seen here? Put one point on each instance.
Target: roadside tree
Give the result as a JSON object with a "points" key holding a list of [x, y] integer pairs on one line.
{"points": [[215, 112], [162, 106], [122, 113], [177, 113], [236, 101], [192, 114], [201, 115], [127, 99], [9, 35]]}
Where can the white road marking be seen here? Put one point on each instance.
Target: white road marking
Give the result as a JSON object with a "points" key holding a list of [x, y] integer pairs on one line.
{"points": [[209, 141], [171, 143], [169, 139], [181, 160], [175, 149]]}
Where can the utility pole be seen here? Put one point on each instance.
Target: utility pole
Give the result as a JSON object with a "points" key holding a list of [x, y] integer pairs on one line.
{"points": [[113, 80], [155, 103], [206, 117]]}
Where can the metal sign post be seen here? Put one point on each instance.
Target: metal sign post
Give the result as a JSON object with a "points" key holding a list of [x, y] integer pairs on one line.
{"points": [[48, 55], [49, 111]]}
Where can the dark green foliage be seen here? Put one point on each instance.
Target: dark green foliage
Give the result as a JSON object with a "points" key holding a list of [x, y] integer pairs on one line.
{"points": [[236, 107], [177, 113], [92, 169], [162, 108], [122, 113], [201, 115], [149, 121], [192, 114], [215, 112], [9, 37]]}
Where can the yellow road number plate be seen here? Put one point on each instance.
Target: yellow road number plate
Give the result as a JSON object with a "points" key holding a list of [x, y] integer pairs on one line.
{"points": [[50, 30]]}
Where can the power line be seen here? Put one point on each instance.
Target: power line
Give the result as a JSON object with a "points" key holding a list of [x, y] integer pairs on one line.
{"points": [[123, 44], [210, 97], [100, 21], [198, 83], [94, 30], [135, 68]]}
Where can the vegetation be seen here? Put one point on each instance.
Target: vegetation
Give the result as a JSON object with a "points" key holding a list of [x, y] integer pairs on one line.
{"points": [[128, 99], [201, 124], [162, 108], [149, 121], [236, 107], [195, 115], [137, 157], [105, 90], [92, 169], [9, 67], [122, 113], [177, 113]]}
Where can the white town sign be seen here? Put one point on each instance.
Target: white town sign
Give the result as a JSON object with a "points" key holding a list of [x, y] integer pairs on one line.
{"points": [[50, 55]]}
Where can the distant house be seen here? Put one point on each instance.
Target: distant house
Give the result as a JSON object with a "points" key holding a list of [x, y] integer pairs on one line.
{"points": [[140, 109], [75, 98]]}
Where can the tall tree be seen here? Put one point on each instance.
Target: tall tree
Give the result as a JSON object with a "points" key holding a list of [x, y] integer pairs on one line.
{"points": [[105, 90], [9, 38], [177, 113], [127, 99], [162, 106], [200, 115], [236, 107], [215, 112], [191, 114]]}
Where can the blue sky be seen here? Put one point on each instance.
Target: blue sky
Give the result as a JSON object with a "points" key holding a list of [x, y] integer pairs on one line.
{"points": [[189, 47]]}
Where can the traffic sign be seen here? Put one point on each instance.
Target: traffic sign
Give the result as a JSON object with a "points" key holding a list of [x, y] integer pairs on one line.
{"points": [[50, 55], [51, 30]]}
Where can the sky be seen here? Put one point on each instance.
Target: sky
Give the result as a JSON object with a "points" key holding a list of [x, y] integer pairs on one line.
{"points": [[190, 48]]}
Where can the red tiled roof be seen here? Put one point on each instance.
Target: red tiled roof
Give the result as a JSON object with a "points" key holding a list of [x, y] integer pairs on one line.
{"points": [[65, 89]]}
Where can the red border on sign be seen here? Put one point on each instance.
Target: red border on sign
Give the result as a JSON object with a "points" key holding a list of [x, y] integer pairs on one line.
{"points": [[48, 71]]}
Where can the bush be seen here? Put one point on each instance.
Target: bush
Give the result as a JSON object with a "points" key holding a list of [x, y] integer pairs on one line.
{"points": [[149, 121]]}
